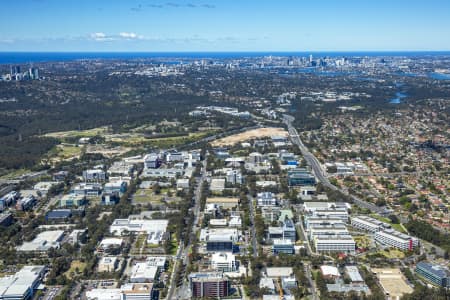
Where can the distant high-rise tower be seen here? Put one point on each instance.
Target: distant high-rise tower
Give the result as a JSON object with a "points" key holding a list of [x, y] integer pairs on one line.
{"points": [[310, 58], [15, 70], [35, 73]]}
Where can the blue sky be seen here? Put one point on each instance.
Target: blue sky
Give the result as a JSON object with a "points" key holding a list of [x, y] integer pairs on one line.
{"points": [[224, 25]]}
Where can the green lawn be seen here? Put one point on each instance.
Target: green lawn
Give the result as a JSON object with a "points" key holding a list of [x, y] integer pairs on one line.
{"points": [[397, 227]]}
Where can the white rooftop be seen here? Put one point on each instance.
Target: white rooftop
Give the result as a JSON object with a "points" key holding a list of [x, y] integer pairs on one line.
{"points": [[274, 272], [43, 241]]}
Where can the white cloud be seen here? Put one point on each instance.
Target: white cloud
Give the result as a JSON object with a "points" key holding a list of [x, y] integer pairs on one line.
{"points": [[100, 36], [130, 36]]}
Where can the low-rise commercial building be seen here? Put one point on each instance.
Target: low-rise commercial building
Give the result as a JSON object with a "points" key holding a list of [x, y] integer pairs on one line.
{"points": [[23, 284], [156, 230], [152, 161], [58, 215], [6, 219], [94, 175], [72, 200], [224, 262], [142, 272], [266, 199], [300, 177], [283, 246], [43, 242], [108, 264]]}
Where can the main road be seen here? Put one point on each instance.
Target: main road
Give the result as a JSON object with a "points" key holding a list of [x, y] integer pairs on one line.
{"points": [[318, 170], [182, 256], [252, 228]]}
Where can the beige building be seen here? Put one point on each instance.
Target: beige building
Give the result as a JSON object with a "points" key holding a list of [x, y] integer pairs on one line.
{"points": [[108, 264]]}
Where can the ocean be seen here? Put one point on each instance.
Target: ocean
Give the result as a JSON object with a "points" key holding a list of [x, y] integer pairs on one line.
{"points": [[34, 57]]}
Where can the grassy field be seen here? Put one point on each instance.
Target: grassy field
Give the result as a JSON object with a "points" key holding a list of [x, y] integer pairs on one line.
{"points": [[144, 196], [398, 227], [393, 253], [75, 265], [78, 133], [64, 152]]}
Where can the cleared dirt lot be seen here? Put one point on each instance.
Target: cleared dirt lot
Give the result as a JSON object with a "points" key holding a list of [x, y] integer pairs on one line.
{"points": [[393, 282], [250, 134]]}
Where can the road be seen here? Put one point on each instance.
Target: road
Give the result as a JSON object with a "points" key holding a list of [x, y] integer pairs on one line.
{"points": [[313, 289], [183, 252], [305, 237], [252, 227], [318, 170]]}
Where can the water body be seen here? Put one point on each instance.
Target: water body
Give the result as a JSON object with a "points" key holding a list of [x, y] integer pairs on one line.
{"points": [[30, 57], [439, 76], [398, 98]]}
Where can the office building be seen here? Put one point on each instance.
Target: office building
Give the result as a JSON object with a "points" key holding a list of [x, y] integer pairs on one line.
{"points": [[72, 200], [234, 177], [224, 262], [274, 232], [87, 189], [108, 264], [220, 239], [334, 243], [94, 175], [58, 215], [130, 291], [209, 285], [300, 177], [434, 274], [155, 229], [110, 245], [142, 272], [152, 161], [289, 231], [43, 242], [23, 284], [119, 186], [6, 219], [26, 203], [283, 246], [393, 238], [266, 199], [368, 224], [327, 229]]}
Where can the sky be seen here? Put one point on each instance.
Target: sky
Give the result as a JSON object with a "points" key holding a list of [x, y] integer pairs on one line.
{"points": [[224, 25]]}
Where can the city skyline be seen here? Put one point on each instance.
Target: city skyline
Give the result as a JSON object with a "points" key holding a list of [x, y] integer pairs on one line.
{"points": [[221, 26]]}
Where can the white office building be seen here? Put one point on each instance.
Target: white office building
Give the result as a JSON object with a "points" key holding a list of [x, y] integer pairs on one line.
{"points": [[368, 224], [334, 243], [22, 284], [327, 229], [224, 262], [155, 229], [142, 272], [266, 199], [393, 238]]}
